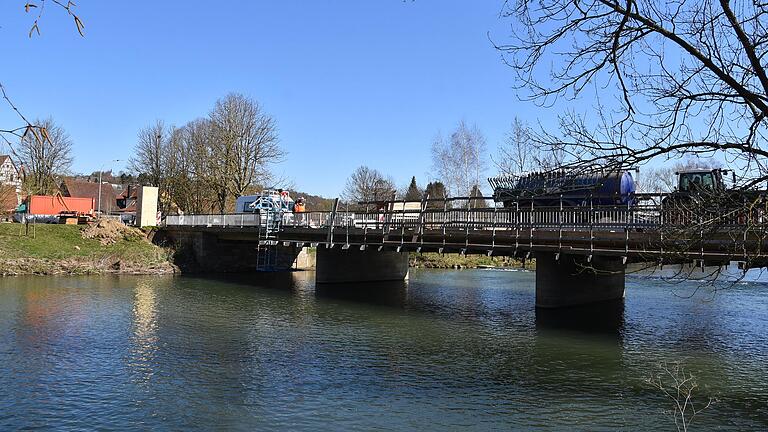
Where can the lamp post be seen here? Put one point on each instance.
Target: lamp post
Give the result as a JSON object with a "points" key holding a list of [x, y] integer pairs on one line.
{"points": [[100, 171]]}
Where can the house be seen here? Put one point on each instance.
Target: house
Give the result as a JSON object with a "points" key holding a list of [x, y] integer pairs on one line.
{"points": [[10, 184], [126, 196], [85, 189]]}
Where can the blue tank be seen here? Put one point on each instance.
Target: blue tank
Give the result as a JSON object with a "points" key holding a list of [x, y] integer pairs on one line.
{"points": [[554, 188]]}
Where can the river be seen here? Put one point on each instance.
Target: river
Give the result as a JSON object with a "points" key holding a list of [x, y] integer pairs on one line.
{"points": [[448, 350]]}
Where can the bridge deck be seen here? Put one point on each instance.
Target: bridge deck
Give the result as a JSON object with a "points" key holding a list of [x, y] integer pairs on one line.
{"points": [[635, 246], [647, 232]]}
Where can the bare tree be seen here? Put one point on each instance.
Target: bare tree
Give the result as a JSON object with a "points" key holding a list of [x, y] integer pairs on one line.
{"points": [[39, 6], [150, 152], [245, 143], [33, 130], [209, 161], [519, 153], [515, 152], [461, 160], [45, 157], [368, 184], [197, 168], [151, 159], [679, 387], [672, 78]]}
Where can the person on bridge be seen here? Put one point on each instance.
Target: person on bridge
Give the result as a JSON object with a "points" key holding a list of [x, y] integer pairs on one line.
{"points": [[298, 209], [299, 206]]}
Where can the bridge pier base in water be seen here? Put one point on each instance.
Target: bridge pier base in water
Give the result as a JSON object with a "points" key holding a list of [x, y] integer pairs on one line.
{"points": [[337, 265], [572, 281]]}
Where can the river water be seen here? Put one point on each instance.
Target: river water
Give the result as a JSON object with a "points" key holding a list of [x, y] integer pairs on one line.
{"points": [[448, 350]]}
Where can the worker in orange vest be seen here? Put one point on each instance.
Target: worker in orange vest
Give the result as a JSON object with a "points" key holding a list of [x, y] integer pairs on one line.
{"points": [[299, 206]]}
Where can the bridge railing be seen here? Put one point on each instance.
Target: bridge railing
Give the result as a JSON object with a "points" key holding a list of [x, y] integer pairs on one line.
{"points": [[650, 213], [217, 220]]}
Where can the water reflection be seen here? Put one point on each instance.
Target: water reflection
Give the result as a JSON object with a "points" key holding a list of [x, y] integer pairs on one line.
{"points": [[388, 293], [279, 281], [144, 338], [453, 350], [603, 318]]}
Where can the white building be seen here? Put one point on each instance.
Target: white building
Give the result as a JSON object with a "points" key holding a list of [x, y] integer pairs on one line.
{"points": [[9, 176]]}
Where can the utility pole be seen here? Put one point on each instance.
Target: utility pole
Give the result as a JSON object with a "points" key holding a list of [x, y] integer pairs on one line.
{"points": [[100, 171]]}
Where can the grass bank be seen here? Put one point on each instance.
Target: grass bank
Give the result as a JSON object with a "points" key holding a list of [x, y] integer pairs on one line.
{"points": [[71, 249], [456, 261]]}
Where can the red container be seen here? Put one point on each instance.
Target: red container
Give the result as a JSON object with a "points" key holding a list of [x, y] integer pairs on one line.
{"points": [[53, 205]]}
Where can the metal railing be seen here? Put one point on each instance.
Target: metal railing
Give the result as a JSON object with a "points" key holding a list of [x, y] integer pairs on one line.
{"points": [[650, 213], [218, 220]]}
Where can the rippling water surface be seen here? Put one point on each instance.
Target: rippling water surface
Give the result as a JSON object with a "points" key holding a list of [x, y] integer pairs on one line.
{"points": [[449, 350]]}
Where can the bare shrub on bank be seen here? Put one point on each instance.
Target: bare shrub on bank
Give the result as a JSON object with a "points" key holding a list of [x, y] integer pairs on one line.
{"points": [[680, 387]]}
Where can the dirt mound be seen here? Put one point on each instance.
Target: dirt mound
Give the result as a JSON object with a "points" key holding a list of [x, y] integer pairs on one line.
{"points": [[109, 231]]}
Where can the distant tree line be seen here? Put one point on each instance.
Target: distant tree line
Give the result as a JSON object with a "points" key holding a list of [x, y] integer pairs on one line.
{"points": [[459, 164]]}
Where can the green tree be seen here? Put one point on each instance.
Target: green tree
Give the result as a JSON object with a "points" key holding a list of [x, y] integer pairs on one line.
{"points": [[435, 191], [476, 198], [413, 193]]}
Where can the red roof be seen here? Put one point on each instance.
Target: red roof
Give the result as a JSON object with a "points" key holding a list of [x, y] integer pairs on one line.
{"points": [[84, 189]]}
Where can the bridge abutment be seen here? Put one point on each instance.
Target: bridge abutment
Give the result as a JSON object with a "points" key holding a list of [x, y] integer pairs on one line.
{"points": [[217, 253], [572, 281], [337, 265]]}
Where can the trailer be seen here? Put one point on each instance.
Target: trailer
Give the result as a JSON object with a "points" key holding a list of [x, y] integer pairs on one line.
{"points": [[54, 209], [564, 188]]}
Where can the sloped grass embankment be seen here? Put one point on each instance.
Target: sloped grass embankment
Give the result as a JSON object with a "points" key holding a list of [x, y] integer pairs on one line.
{"points": [[63, 249]]}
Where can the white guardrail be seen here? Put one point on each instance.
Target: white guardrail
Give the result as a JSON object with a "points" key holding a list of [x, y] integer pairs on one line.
{"points": [[644, 216], [501, 218]]}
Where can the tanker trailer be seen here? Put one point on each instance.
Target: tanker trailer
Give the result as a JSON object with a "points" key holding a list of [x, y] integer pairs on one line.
{"points": [[569, 189]]}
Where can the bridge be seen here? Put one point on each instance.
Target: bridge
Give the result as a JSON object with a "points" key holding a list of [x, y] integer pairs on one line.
{"points": [[581, 252]]}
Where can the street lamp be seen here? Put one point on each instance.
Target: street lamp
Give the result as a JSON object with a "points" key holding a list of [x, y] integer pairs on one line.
{"points": [[101, 169]]}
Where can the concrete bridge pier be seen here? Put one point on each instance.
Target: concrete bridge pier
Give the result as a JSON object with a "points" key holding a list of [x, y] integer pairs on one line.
{"points": [[337, 265], [572, 281]]}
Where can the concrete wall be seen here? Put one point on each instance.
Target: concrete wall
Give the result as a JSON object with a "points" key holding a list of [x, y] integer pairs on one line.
{"points": [[305, 260], [146, 206], [572, 281], [206, 252], [338, 265]]}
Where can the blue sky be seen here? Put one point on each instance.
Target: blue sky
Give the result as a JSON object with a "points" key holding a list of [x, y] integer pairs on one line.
{"points": [[349, 82]]}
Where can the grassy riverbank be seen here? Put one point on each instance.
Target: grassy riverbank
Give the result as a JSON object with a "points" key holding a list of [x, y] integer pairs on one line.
{"points": [[70, 249]]}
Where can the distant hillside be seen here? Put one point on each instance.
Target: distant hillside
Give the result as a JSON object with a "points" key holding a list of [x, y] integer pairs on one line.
{"points": [[314, 202]]}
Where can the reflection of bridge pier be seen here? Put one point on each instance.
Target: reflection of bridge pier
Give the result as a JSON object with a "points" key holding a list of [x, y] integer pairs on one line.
{"points": [[571, 280]]}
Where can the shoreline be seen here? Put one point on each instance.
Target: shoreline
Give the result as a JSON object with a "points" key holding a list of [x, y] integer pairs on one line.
{"points": [[77, 267]]}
